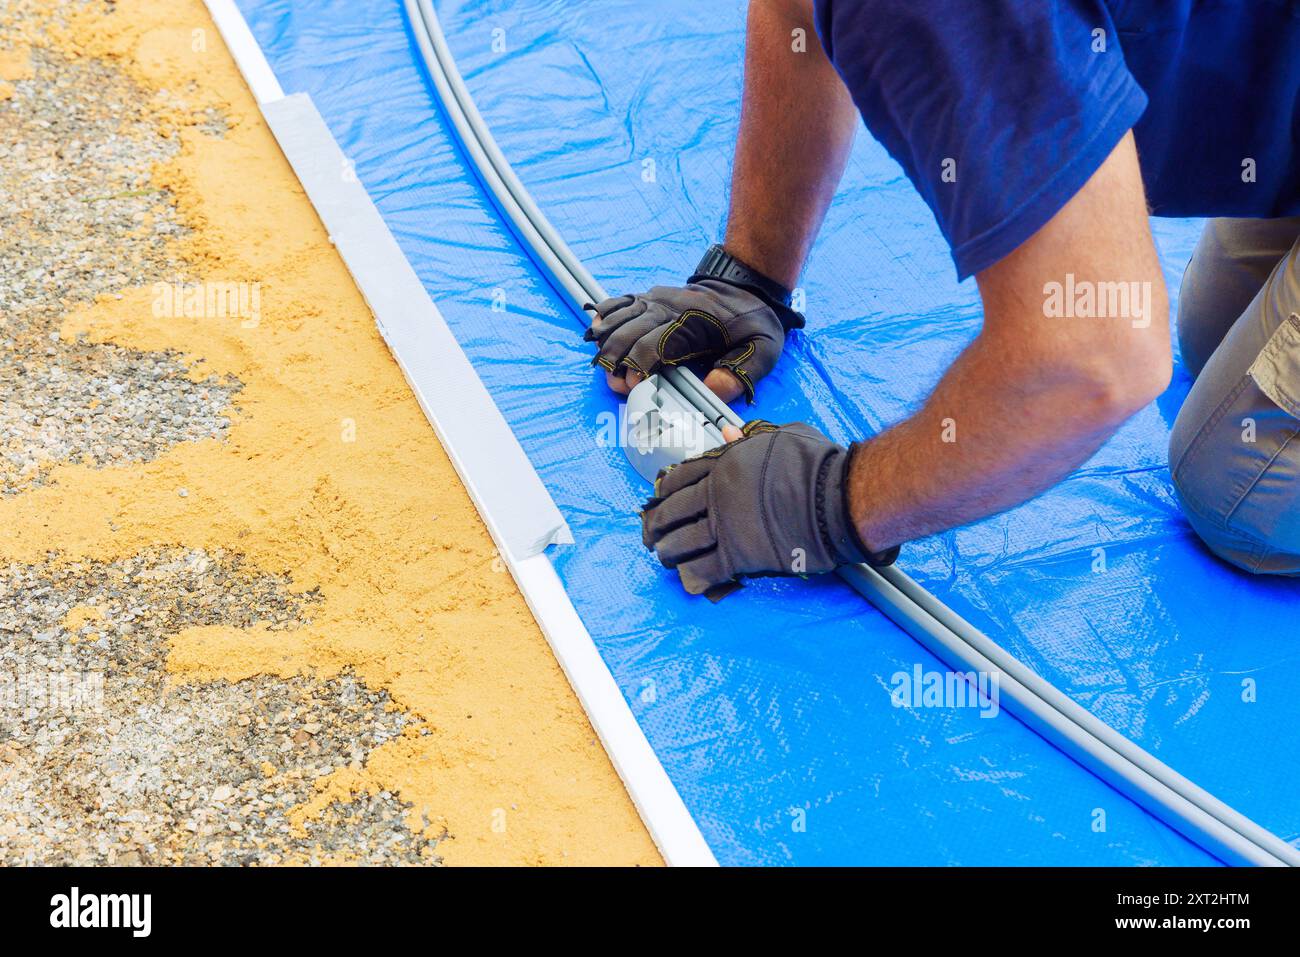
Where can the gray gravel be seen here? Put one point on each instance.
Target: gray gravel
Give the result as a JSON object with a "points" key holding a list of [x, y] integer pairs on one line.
{"points": [[103, 759], [75, 193]]}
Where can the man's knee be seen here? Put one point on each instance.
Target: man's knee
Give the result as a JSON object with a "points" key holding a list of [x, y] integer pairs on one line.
{"points": [[1236, 469], [1239, 547]]}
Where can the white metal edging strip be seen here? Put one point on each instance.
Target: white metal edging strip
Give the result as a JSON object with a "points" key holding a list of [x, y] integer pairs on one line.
{"points": [[257, 72], [509, 494]]}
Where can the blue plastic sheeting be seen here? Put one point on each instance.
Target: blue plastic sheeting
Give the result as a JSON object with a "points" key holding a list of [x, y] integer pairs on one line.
{"points": [[772, 711]]}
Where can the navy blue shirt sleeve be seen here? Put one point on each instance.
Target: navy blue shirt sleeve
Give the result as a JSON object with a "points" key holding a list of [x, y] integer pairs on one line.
{"points": [[997, 110]]}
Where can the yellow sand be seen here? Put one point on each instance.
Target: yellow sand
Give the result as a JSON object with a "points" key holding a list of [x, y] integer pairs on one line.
{"points": [[332, 475], [80, 616], [15, 63]]}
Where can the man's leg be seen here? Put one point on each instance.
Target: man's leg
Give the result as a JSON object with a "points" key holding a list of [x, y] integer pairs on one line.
{"points": [[1231, 262], [1235, 447]]}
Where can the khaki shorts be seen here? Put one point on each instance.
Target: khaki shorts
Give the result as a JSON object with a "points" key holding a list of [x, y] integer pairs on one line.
{"points": [[1235, 448]]}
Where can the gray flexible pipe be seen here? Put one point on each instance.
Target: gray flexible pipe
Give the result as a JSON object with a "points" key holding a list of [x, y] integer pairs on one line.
{"points": [[1153, 785]]}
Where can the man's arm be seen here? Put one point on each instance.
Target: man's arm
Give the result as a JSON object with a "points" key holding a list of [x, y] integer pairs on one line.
{"points": [[1032, 396], [796, 128]]}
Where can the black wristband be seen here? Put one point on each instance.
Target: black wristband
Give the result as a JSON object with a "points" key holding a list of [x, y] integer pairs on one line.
{"points": [[874, 559], [719, 264]]}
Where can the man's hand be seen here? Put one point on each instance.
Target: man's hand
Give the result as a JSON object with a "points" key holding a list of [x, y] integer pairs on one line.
{"points": [[709, 321], [772, 502], [796, 128]]}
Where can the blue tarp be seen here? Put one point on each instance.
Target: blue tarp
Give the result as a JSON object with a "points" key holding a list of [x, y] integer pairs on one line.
{"points": [[772, 710]]}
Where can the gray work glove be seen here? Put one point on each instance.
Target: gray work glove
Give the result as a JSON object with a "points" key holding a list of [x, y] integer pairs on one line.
{"points": [[774, 502], [703, 322]]}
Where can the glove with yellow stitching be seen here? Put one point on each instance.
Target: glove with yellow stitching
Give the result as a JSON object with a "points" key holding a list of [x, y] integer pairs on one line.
{"points": [[709, 323], [774, 502]]}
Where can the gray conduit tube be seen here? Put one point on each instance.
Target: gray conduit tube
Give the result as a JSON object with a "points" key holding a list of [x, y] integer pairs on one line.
{"points": [[1153, 785]]}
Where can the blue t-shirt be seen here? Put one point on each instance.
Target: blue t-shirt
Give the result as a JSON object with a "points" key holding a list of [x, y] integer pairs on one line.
{"points": [[1000, 110]]}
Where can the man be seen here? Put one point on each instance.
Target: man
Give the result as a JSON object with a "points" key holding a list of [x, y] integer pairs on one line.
{"points": [[1037, 133]]}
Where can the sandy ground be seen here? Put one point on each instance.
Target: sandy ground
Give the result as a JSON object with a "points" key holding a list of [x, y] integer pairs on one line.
{"points": [[247, 612]]}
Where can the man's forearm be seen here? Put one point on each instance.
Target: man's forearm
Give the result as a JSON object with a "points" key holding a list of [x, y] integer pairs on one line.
{"points": [[994, 433], [1033, 396], [796, 128]]}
